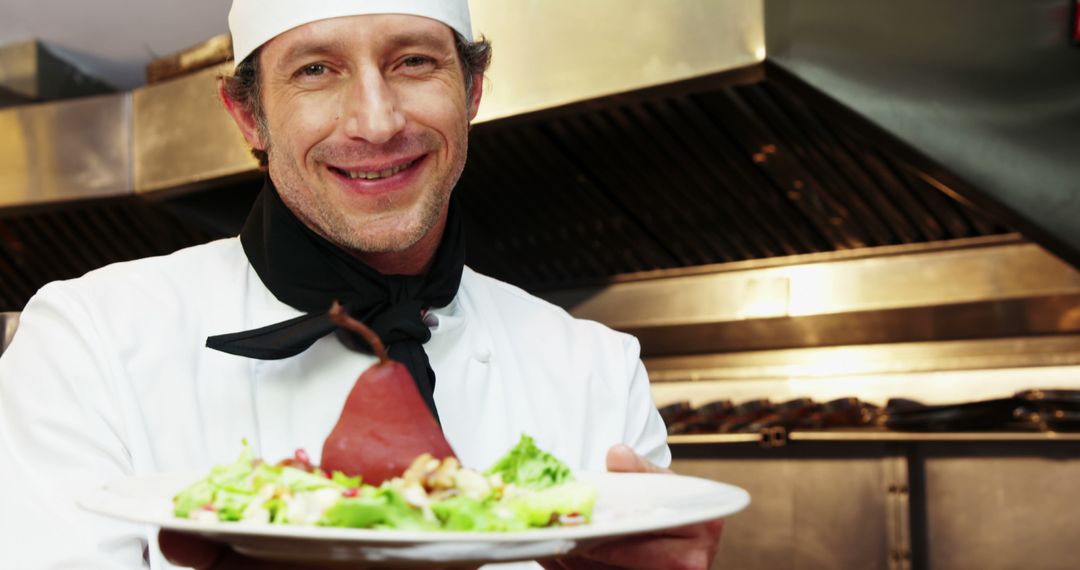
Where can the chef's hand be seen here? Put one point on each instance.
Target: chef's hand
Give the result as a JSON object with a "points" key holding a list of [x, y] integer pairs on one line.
{"points": [[190, 551], [690, 547]]}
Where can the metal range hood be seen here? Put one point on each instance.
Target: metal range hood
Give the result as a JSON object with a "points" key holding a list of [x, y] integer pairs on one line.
{"points": [[988, 90], [961, 91], [174, 136]]}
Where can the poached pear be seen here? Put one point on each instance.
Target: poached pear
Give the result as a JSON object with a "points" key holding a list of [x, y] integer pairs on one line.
{"points": [[385, 423]]}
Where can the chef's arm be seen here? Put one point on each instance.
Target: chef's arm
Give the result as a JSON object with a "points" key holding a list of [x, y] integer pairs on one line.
{"points": [[60, 437], [645, 450], [644, 430]]}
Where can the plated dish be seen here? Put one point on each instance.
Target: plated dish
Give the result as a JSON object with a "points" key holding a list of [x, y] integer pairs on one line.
{"points": [[627, 504]]}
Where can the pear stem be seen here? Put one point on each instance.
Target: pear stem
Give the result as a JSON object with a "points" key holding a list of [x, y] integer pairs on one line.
{"points": [[343, 320]]}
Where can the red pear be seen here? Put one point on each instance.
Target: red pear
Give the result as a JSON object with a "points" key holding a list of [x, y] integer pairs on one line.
{"points": [[385, 423]]}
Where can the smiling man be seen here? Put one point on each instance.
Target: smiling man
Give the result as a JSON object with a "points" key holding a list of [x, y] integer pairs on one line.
{"points": [[360, 111], [373, 121]]}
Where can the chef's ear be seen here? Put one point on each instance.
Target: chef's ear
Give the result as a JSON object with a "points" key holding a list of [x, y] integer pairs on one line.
{"points": [[477, 93], [242, 115]]}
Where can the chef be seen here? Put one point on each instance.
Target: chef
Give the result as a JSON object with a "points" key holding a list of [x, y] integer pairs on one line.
{"points": [[360, 111]]}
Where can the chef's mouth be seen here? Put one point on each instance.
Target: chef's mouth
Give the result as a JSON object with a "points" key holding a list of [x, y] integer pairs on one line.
{"points": [[374, 174]]}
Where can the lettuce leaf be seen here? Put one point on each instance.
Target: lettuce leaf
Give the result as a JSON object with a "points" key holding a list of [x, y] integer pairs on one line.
{"points": [[543, 507], [463, 513], [530, 467], [229, 489], [346, 481], [194, 497], [540, 489], [376, 508], [233, 477]]}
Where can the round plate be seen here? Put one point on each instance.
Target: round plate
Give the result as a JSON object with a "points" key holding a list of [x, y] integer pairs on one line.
{"points": [[627, 504]]}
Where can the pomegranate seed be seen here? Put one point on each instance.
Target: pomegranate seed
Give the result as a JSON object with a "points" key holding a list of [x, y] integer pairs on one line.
{"points": [[302, 457]]}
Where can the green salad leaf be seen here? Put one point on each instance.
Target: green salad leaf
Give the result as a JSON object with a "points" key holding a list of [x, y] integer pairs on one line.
{"points": [[461, 513], [223, 479], [544, 506], [381, 507], [530, 467], [229, 490], [527, 487], [194, 497]]}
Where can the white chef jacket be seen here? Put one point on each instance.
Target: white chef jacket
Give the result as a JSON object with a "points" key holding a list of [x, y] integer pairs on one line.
{"points": [[108, 376]]}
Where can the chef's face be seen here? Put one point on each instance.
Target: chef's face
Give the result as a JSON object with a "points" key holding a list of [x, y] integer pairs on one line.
{"points": [[366, 126]]}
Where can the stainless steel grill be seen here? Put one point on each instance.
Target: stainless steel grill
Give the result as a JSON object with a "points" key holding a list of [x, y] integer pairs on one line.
{"points": [[65, 242], [721, 175]]}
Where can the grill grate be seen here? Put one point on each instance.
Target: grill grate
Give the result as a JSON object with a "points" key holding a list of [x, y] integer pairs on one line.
{"points": [[732, 174], [66, 242]]}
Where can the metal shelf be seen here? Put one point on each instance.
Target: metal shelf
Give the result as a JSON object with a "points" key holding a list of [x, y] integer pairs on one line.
{"points": [[852, 435], [715, 438], [871, 436]]}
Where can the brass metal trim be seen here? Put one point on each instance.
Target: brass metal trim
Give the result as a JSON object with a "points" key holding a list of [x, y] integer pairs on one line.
{"points": [[574, 54], [987, 289], [837, 361], [67, 150], [183, 136], [877, 436]]}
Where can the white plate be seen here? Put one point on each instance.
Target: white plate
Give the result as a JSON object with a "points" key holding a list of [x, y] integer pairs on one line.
{"points": [[627, 503]]}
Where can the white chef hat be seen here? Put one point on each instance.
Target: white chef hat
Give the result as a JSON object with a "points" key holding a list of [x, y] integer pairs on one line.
{"points": [[255, 22]]}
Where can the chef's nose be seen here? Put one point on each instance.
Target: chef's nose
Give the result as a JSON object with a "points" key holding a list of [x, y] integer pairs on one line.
{"points": [[373, 113]]}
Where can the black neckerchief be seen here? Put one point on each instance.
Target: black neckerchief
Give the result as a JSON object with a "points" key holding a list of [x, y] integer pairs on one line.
{"points": [[308, 273]]}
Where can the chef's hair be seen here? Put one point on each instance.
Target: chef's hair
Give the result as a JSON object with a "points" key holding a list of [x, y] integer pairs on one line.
{"points": [[243, 86]]}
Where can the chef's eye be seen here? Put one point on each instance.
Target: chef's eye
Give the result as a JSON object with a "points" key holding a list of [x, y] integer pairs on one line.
{"points": [[416, 61], [313, 70]]}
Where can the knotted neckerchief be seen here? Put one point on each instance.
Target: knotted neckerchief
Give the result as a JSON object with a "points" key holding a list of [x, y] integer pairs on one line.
{"points": [[307, 272]]}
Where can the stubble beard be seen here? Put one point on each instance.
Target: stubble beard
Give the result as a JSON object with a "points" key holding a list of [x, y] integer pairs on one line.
{"points": [[355, 234]]}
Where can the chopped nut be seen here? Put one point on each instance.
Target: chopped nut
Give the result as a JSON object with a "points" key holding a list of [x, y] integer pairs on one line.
{"points": [[419, 469], [472, 484], [415, 495], [443, 476]]}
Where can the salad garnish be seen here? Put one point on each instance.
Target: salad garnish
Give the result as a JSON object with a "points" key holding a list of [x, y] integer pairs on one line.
{"points": [[526, 488]]}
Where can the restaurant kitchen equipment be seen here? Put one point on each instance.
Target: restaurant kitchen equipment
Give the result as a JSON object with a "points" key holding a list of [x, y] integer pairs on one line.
{"points": [[784, 201]]}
